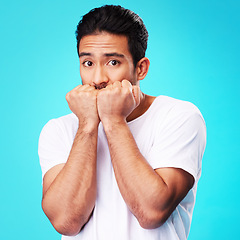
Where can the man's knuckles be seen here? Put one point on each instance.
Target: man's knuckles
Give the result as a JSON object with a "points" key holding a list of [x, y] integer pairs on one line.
{"points": [[74, 95], [114, 93]]}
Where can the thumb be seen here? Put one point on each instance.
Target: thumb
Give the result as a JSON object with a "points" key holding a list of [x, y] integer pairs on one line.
{"points": [[136, 94], [126, 84]]}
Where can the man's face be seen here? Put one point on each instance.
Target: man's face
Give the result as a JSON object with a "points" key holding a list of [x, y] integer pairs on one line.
{"points": [[105, 59]]}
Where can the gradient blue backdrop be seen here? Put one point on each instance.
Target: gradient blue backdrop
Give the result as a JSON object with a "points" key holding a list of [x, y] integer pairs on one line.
{"points": [[194, 52]]}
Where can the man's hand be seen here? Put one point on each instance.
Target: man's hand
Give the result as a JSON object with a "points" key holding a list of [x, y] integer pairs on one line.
{"points": [[117, 101], [82, 101]]}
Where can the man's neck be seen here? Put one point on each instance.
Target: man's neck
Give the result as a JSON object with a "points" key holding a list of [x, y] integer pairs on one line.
{"points": [[145, 103]]}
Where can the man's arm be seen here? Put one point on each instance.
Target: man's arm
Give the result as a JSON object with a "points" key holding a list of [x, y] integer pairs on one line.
{"points": [[150, 195], [69, 190]]}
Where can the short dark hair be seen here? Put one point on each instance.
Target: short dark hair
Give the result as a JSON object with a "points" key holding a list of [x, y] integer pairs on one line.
{"points": [[117, 20]]}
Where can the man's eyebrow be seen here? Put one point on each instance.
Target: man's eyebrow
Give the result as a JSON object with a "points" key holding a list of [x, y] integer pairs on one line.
{"points": [[114, 54], [84, 54]]}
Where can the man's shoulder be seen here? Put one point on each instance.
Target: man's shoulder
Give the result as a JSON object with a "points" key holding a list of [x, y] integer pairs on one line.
{"points": [[66, 122], [170, 102], [168, 109], [175, 106]]}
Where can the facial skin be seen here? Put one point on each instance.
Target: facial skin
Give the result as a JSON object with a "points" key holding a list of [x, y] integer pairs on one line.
{"points": [[105, 59], [109, 78]]}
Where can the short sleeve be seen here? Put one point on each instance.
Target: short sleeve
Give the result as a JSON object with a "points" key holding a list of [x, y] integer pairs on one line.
{"points": [[180, 141], [52, 149]]}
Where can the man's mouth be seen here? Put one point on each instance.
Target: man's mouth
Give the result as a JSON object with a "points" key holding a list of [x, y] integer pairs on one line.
{"points": [[100, 86]]}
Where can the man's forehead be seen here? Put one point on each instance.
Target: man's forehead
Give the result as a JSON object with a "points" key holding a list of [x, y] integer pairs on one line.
{"points": [[104, 41]]}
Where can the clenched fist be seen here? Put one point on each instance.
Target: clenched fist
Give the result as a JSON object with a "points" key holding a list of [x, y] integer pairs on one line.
{"points": [[82, 101], [117, 101]]}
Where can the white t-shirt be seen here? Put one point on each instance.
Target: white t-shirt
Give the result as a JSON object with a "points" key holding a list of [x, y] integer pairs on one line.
{"points": [[171, 133]]}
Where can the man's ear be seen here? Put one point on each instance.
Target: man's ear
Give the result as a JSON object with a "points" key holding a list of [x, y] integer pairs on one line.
{"points": [[142, 68]]}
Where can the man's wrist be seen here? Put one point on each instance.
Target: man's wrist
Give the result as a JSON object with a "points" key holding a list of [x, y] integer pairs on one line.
{"points": [[112, 124], [88, 127]]}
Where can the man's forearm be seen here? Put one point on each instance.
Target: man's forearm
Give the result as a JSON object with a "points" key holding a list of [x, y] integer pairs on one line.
{"points": [[139, 184], [70, 199]]}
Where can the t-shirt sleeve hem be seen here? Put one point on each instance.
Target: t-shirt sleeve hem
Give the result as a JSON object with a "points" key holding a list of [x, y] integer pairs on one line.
{"points": [[180, 166], [50, 166]]}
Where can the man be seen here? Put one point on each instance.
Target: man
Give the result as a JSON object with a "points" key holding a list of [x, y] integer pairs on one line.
{"points": [[124, 165]]}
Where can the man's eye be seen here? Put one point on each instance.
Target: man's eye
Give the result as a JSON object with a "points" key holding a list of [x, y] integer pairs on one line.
{"points": [[87, 63], [113, 62]]}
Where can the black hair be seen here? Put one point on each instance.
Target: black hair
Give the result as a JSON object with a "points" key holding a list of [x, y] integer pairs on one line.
{"points": [[116, 20]]}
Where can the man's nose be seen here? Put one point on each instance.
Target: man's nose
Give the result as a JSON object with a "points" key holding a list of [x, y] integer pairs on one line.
{"points": [[100, 78]]}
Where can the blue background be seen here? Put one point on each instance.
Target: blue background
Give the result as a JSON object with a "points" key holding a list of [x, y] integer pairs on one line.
{"points": [[194, 49]]}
